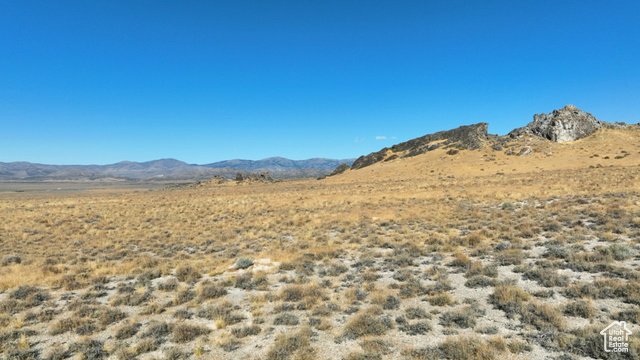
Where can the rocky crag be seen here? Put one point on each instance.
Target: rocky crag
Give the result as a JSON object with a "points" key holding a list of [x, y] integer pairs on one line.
{"points": [[564, 125]]}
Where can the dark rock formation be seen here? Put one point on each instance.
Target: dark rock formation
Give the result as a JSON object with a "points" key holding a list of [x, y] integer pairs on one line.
{"points": [[465, 137], [340, 169], [566, 124], [370, 159]]}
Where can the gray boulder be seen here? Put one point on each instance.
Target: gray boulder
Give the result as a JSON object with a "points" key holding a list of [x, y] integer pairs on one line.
{"points": [[566, 124]]}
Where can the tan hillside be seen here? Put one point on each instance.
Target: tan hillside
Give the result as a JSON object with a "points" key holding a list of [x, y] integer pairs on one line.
{"points": [[609, 151]]}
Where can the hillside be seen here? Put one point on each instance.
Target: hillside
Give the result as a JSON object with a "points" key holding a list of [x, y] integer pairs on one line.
{"points": [[469, 151]]}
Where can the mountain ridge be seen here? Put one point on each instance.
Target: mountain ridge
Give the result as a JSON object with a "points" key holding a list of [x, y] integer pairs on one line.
{"points": [[169, 169]]}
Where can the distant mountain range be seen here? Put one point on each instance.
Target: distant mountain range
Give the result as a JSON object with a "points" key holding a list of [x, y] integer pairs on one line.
{"points": [[169, 169]]}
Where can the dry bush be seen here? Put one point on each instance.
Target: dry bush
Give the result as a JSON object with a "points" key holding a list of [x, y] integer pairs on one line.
{"points": [[441, 299], [184, 332], [510, 257], [509, 298], [246, 331], [145, 346], [221, 313], [460, 260], [212, 291], [286, 319], [546, 277], [128, 330], [580, 308], [462, 318], [310, 294], [187, 274], [367, 322], [288, 345], [542, 316], [460, 348]]}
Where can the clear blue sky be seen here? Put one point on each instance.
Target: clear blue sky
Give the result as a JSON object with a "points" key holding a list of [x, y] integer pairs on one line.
{"points": [[103, 81]]}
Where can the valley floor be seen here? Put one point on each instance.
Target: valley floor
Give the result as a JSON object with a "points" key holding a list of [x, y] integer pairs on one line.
{"points": [[529, 264]]}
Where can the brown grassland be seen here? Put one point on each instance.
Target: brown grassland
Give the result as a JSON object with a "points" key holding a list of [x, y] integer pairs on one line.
{"points": [[475, 255]]}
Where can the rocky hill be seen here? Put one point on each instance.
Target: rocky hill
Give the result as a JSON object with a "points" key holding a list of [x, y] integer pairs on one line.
{"points": [[559, 126]]}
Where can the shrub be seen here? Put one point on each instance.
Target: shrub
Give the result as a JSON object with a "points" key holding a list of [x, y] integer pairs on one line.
{"points": [[68, 324], [183, 332], [509, 298], [146, 345], [127, 331], [460, 260], [488, 330], [417, 328], [441, 299], [132, 299], [187, 274], [157, 330], [244, 262], [22, 292], [221, 313], [510, 257], [416, 313], [631, 315], [580, 308], [542, 316], [246, 331], [212, 291], [286, 345], [476, 268], [109, 316], [389, 302], [459, 348], [286, 319], [169, 285], [309, 293], [175, 353], [618, 251], [89, 349], [11, 259], [546, 277], [375, 346], [183, 296], [479, 281], [464, 318], [367, 322]]}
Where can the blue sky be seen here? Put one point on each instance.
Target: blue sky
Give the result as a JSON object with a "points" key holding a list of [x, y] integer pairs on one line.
{"points": [[201, 81]]}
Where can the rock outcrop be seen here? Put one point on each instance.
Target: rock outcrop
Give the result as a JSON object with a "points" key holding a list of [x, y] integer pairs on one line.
{"points": [[340, 169], [566, 124], [468, 137], [263, 177]]}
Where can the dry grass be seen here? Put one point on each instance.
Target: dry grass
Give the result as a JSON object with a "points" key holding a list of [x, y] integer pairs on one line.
{"points": [[368, 262]]}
